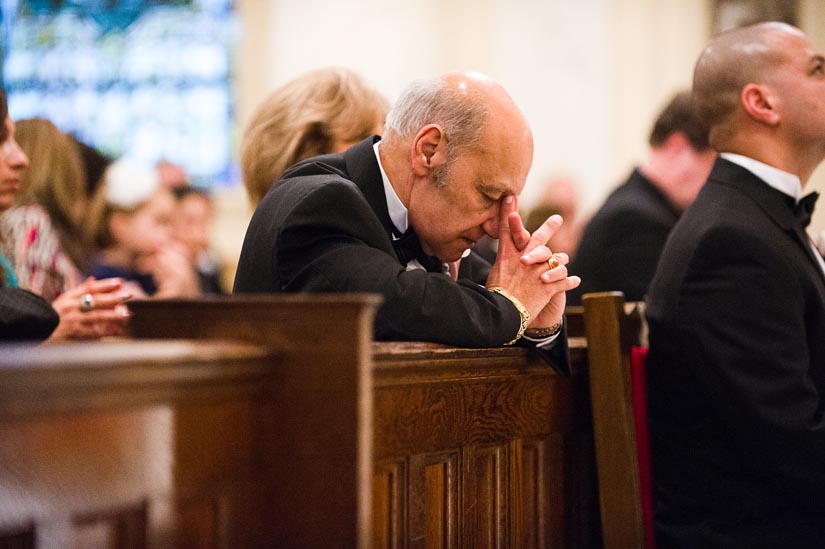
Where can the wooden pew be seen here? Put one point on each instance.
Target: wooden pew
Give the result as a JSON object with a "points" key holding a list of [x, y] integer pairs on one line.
{"points": [[336, 441], [613, 327], [480, 448], [471, 447], [185, 443], [132, 444]]}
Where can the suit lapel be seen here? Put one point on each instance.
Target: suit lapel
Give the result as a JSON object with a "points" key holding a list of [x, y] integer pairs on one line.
{"points": [[363, 170], [773, 202]]}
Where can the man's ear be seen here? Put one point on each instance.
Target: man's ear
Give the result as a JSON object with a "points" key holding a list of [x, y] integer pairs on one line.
{"points": [[760, 104], [428, 149]]}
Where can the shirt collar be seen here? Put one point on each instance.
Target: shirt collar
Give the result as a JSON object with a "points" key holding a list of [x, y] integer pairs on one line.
{"points": [[784, 182], [396, 209]]}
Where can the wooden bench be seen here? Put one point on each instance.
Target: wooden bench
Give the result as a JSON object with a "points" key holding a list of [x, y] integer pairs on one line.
{"points": [[470, 447], [133, 444], [613, 329], [480, 448], [336, 441], [193, 443]]}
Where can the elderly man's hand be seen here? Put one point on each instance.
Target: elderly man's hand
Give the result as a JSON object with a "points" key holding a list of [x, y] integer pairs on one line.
{"points": [[95, 308], [534, 250], [533, 254]]}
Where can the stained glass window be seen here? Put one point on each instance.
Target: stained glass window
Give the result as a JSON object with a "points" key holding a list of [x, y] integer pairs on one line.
{"points": [[145, 79]]}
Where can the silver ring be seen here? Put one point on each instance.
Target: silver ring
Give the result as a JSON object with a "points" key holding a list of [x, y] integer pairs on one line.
{"points": [[87, 303]]}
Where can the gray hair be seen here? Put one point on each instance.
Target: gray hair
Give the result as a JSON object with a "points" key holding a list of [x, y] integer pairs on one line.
{"points": [[460, 113]]}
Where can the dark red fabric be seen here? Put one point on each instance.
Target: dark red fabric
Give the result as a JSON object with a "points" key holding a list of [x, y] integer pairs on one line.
{"points": [[638, 383]]}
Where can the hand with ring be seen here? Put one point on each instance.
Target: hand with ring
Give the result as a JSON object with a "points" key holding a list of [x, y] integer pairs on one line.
{"points": [[534, 250], [94, 309], [87, 303]]}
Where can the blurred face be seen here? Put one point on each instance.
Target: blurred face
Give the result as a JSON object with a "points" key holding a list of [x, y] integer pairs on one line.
{"points": [[12, 163], [461, 203], [148, 229], [192, 224], [694, 169]]}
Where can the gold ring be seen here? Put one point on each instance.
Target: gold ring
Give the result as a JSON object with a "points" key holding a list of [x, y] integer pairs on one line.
{"points": [[87, 303], [553, 262]]}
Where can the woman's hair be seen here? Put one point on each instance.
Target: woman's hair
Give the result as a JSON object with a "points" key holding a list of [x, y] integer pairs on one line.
{"points": [[4, 111], [55, 180], [125, 188], [304, 118]]}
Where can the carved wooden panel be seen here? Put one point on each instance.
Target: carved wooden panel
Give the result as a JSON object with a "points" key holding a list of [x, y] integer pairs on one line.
{"points": [[432, 500], [484, 496], [492, 442], [389, 499]]}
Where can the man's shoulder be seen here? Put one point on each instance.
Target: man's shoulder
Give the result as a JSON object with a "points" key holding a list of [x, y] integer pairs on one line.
{"points": [[723, 205], [316, 184], [317, 199], [327, 164]]}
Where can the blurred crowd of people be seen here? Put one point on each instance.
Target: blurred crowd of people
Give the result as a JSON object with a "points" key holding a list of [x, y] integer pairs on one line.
{"points": [[86, 232], [78, 213]]}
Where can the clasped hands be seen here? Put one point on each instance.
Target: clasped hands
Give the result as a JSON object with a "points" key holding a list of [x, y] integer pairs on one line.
{"points": [[524, 268], [93, 309]]}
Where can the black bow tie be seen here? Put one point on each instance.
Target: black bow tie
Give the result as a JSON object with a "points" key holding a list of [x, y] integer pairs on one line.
{"points": [[408, 247], [805, 207]]}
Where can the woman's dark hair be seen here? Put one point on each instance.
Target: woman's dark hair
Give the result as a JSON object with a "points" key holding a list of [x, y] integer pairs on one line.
{"points": [[4, 111]]}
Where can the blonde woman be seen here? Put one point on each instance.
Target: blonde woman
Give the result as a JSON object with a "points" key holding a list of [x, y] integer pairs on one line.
{"points": [[41, 232], [320, 112]]}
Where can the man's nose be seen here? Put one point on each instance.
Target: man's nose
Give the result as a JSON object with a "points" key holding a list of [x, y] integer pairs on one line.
{"points": [[491, 225]]}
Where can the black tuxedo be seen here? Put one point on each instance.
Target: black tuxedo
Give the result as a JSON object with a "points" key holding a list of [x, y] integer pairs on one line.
{"points": [[736, 373], [621, 245], [324, 227]]}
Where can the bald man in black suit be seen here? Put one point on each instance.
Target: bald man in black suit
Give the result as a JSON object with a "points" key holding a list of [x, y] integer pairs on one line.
{"points": [[737, 311]]}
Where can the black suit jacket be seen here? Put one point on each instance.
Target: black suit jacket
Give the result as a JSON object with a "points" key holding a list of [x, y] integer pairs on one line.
{"points": [[25, 316], [737, 373], [324, 227], [622, 242]]}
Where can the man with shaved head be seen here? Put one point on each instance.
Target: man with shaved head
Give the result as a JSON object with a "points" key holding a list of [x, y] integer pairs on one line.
{"points": [[399, 216], [736, 367]]}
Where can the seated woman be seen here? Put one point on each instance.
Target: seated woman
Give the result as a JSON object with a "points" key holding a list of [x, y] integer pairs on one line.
{"points": [[323, 111], [130, 222], [41, 232], [95, 308]]}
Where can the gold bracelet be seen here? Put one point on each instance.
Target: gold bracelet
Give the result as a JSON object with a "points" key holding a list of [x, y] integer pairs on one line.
{"points": [[541, 333], [522, 311]]}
